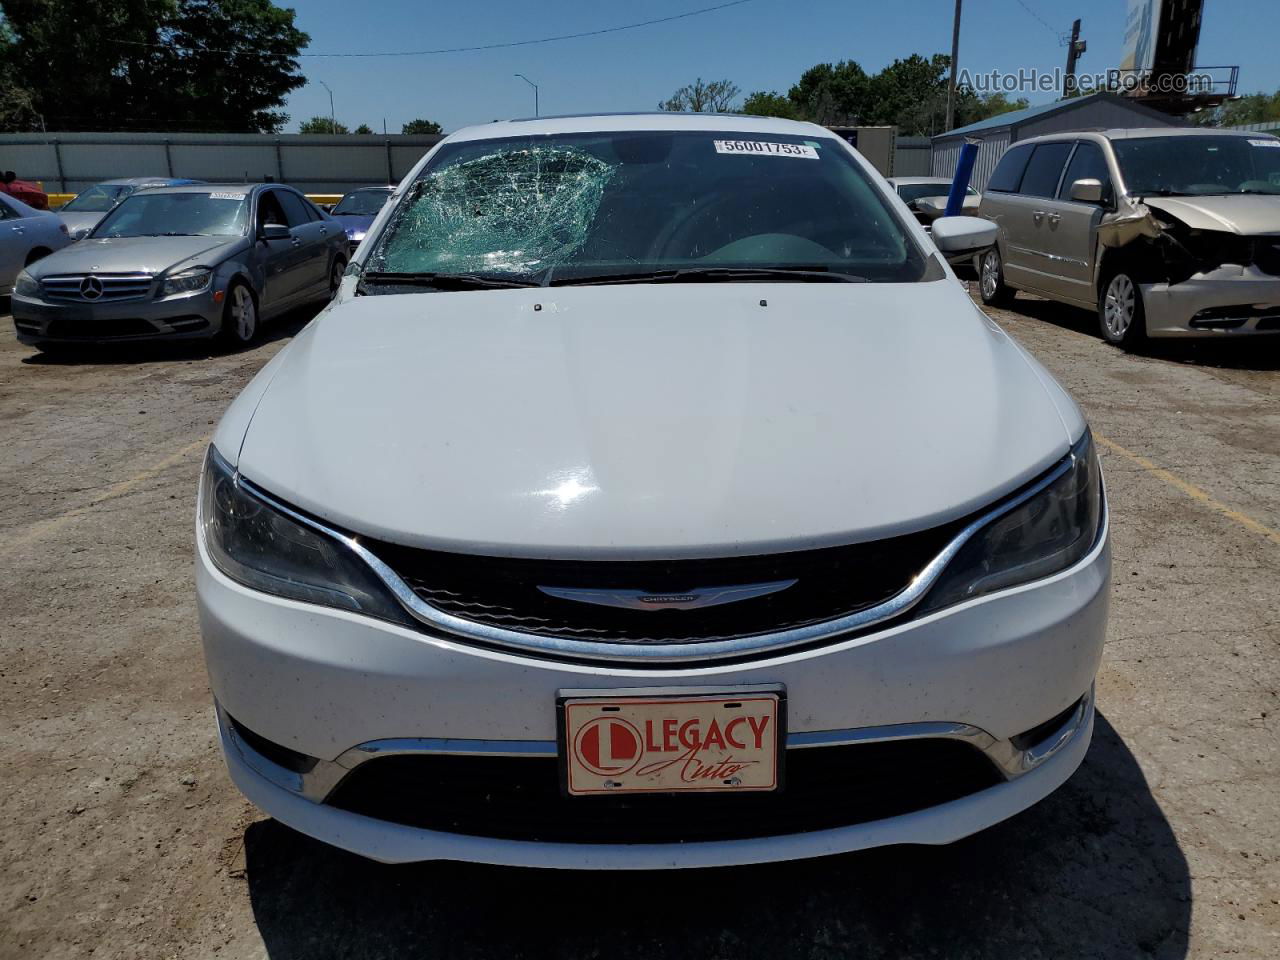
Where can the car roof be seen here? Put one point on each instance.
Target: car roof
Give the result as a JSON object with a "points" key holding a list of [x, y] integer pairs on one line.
{"points": [[244, 189], [910, 180], [1139, 133], [138, 181], [371, 190], [620, 122]]}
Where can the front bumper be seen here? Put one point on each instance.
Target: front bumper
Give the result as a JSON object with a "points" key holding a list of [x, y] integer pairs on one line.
{"points": [[1231, 301], [337, 687], [195, 316]]}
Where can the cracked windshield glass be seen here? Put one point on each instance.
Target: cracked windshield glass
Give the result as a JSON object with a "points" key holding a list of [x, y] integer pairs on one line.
{"points": [[609, 206]]}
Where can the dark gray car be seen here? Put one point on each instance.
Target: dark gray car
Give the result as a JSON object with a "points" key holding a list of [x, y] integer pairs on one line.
{"points": [[184, 262]]}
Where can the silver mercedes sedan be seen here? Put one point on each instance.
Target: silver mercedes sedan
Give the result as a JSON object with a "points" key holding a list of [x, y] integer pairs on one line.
{"points": [[184, 263]]}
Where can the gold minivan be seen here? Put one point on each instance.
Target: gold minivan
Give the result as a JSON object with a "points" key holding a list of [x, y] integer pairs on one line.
{"points": [[1165, 232]]}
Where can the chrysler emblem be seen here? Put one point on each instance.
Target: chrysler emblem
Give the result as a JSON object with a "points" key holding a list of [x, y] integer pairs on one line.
{"points": [[91, 288], [696, 599]]}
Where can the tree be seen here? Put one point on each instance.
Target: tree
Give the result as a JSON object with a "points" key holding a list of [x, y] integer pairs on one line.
{"points": [[911, 94], [322, 125], [1251, 108], [698, 97], [772, 104], [970, 107], [832, 93], [422, 126], [363, 128], [223, 65]]}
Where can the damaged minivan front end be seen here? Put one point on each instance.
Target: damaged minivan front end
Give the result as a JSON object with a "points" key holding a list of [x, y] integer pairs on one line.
{"points": [[1197, 268]]}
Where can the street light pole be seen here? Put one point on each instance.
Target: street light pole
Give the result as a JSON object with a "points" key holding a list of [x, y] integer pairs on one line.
{"points": [[535, 92], [333, 120]]}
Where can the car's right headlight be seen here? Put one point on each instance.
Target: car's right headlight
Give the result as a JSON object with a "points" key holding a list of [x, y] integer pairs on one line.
{"points": [[25, 285], [1049, 529], [256, 544]]}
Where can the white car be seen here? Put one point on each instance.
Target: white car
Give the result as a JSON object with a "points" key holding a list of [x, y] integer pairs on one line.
{"points": [[651, 495], [26, 235]]}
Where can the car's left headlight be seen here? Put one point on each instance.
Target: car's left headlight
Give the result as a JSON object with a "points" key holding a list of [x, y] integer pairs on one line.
{"points": [[263, 547], [1048, 528], [25, 285], [188, 281]]}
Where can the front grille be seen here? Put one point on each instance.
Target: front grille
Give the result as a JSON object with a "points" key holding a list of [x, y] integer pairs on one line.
{"points": [[519, 798], [115, 288], [63, 329], [503, 592]]}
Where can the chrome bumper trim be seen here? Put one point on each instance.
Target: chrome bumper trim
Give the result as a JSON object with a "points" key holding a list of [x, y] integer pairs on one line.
{"points": [[316, 784]]}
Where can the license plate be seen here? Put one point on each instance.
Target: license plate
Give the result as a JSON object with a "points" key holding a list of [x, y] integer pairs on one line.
{"points": [[712, 743]]}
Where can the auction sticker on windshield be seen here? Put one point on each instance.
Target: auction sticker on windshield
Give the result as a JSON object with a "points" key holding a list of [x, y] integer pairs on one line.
{"points": [[670, 744], [767, 148]]}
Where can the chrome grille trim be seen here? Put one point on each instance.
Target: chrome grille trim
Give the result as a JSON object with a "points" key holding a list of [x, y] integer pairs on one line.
{"points": [[116, 288], [574, 649]]}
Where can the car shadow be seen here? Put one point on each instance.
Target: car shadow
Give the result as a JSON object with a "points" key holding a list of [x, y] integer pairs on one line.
{"points": [[1093, 870], [282, 327], [1246, 353]]}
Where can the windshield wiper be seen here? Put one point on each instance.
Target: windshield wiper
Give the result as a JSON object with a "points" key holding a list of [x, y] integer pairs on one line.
{"points": [[442, 281], [807, 273]]}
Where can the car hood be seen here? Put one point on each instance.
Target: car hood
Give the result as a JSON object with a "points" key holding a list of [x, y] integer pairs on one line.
{"points": [[353, 222], [133, 254], [651, 420], [1247, 213], [80, 222]]}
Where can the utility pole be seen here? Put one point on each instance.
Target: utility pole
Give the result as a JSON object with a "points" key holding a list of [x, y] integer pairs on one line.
{"points": [[955, 58], [535, 92], [1074, 49]]}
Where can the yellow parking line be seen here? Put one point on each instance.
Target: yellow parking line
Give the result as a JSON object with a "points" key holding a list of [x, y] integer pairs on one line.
{"points": [[43, 528], [1191, 490]]}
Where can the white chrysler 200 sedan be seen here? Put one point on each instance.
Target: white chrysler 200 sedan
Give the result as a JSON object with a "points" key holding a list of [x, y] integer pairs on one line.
{"points": [[651, 495]]}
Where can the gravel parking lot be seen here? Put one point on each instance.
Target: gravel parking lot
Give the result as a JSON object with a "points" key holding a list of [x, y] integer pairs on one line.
{"points": [[122, 836]]}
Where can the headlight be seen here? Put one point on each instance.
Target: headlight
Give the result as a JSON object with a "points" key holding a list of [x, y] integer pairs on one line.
{"points": [[1051, 529], [263, 548], [25, 285], [189, 281]]}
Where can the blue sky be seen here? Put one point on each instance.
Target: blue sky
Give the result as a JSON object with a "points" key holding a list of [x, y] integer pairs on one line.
{"points": [[762, 44]]}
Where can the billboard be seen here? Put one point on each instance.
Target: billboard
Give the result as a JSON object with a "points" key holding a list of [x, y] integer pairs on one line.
{"points": [[1141, 32]]}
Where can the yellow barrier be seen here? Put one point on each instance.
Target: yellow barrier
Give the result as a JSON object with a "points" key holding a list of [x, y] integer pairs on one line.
{"points": [[56, 200]]}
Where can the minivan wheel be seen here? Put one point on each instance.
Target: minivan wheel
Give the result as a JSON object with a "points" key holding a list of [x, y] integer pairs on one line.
{"points": [[240, 316], [1120, 311], [991, 280]]}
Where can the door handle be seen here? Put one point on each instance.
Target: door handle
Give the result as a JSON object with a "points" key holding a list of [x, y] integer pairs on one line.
{"points": [[1054, 218], [324, 231], [1037, 215], [296, 242], [16, 229]]}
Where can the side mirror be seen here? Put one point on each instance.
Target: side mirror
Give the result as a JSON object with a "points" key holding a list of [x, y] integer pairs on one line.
{"points": [[275, 231], [1087, 191], [963, 234]]}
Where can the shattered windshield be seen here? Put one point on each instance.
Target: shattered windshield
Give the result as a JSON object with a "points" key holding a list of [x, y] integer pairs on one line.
{"points": [[1199, 166], [610, 205]]}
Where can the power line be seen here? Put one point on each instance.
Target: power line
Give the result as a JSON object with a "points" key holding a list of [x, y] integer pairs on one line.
{"points": [[1054, 30], [484, 46]]}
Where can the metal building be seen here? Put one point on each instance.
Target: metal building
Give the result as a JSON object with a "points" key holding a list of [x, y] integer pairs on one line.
{"points": [[995, 134]]}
